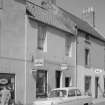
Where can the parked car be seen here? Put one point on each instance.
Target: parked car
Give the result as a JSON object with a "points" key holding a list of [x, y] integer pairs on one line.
{"points": [[65, 96]]}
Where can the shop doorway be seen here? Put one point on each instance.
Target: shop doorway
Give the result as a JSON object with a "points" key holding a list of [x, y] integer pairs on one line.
{"points": [[96, 86], [58, 77], [88, 85], [41, 84], [8, 80], [67, 81]]}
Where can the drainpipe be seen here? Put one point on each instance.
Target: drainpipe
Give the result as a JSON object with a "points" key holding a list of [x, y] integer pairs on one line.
{"points": [[76, 74], [25, 57]]}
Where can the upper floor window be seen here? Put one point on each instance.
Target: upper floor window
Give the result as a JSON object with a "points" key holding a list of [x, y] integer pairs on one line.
{"points": [[68, 46], [42, 38], [1, 4], [87, 36], [87, 57]]}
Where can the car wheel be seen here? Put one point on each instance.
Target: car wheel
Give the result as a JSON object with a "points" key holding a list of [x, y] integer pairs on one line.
{"points": [[86, 104]]}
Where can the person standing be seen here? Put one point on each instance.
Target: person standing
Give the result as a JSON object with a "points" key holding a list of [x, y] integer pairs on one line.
{"points": [[5, 96]]}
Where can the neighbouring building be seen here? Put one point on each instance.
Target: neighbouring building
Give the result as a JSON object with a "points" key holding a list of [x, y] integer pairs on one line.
{"points": [[44, 47], [12, 47]]}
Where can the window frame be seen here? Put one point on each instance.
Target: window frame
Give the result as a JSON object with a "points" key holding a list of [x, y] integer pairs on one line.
{"points": [[87, 57], [41, 36]]}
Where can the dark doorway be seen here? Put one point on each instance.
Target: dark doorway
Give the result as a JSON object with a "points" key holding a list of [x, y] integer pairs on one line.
{"points": [[67, 81], [58, 76], [96, 86], [8, 80]]}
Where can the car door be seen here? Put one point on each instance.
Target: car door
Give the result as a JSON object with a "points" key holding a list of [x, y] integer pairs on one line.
{"points": [[71, 99], [80, 98]]}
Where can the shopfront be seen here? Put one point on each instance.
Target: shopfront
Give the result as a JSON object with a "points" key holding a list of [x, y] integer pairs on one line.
{"points": [[8, 80]]}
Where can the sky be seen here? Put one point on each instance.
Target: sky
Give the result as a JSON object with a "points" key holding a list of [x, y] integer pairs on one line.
{"points": [[76, 7]]}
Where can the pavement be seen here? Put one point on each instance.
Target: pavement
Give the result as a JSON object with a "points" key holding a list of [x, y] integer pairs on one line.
{"points": [[99, 101]]}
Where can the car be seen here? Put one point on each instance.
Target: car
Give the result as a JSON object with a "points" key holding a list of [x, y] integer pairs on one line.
{"points": [[65, 96]]}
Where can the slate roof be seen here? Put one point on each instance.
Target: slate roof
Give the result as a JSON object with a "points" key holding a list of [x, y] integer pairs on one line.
{"points": [[43, 15], [62, 20]]}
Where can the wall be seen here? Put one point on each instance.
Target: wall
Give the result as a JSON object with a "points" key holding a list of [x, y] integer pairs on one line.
{"points": [[53, 58], [12, 33], [96, 62]]}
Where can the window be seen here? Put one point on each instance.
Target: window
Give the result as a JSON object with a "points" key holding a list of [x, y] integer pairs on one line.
{"points": [[87, 37], [1, 4], [88, 85], [78, 92], [68, 47], [42, 38], [71, 93], [41, 83], [87, 57]]}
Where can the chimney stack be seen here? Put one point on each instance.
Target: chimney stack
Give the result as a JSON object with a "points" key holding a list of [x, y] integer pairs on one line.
{"points": [[88, 15], [49, 1]]}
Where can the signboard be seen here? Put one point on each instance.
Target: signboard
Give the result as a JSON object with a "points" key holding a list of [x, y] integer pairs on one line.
{"points": [[64, 66], [38, 62], [3, 81], [98, 71]]}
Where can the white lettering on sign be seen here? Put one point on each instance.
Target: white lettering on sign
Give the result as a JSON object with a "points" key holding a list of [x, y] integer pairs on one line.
{"points": [[64, 67], [3, 81], [39, 62], [98, 71]]}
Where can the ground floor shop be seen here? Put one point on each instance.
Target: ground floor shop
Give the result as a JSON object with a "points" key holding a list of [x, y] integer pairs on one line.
{"points": [[91, 81]]}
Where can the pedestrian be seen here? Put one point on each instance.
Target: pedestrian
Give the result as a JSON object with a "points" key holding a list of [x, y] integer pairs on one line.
{"points": [[5, 96]]}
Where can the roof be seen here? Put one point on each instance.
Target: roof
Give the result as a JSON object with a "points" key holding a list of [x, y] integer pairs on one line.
{"points": [[84, 26], [65, 88], [45, 16], [61, 19]]}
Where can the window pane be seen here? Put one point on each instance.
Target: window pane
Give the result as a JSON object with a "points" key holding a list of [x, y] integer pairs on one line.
{"points": [[41, 36], [71, 93]]}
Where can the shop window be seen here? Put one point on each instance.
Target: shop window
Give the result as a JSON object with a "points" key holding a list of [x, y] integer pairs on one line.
{"points": [[42, 38], [68, 47], [87, 57], [41, 84], [8, 80], [88, 85]]}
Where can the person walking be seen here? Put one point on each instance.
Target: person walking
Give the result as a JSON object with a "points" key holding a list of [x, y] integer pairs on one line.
{"points": [[5, 96]]}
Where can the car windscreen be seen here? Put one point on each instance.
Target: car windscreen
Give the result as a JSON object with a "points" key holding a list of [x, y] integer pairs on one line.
{"points": [[57, 93]]}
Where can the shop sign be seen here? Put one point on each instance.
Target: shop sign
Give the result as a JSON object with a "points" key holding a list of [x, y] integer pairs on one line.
{"points": [[38, 62], [64, 67], [3, 81], [98, 71]]}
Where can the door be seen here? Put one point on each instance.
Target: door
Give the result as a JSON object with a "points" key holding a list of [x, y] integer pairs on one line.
{"points": [[41, 83], [58, 77], [96, 86]]}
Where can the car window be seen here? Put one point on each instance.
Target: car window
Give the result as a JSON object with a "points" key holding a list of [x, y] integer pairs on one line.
{"points": [[78, 92], [71, 93], [57, 93]]}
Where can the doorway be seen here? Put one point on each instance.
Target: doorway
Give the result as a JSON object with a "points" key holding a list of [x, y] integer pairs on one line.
{"points": [[96, 86], [58, 77]]}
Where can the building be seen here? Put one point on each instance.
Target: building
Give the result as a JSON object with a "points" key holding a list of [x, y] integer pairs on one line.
{"points": [[51, 46], [12, 47], [42, 42]]}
